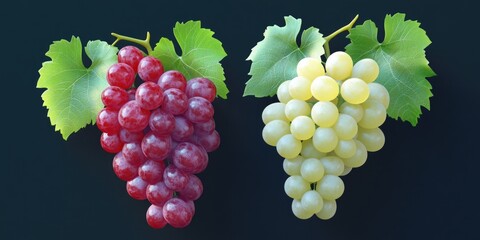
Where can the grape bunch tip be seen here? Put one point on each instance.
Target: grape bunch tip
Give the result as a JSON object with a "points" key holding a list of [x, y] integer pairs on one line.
{"points": [[160, 132], [325, 123]]}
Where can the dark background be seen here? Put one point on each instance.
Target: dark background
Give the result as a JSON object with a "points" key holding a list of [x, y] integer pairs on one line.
{"points": [[422, 185]]}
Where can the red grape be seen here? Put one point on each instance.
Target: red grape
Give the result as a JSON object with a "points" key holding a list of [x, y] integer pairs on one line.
{"points": [[172, 79], [132, 117], [183, 129], [199, 110], [177, 213], [156, 147], [151, 171], [174, 178], [137, 188], [121, 75], [130, 55], [150, 69], [162, 122], [175, 101], [133, 153], [149, 95], [193, 190], [155, 217], [123, 169], [111, 142], [128, 137], [107, 121], [201, 87], [114, 97], [158, 193], [188, 157]]}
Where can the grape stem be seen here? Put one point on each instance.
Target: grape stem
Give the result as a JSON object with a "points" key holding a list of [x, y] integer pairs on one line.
{"points": [[334, 34], [144, 43]]}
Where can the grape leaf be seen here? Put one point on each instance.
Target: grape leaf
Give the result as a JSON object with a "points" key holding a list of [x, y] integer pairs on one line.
{"points": [[403, 65], [201, 54], [274, 59], [73, 91]]}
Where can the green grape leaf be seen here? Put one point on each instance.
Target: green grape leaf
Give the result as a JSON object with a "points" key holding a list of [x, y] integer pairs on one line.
{"points": [[403, 64], [275, 58], [73, 90], [201, 54]]}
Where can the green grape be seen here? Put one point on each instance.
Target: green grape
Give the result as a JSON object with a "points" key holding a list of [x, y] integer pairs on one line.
{"points": [[292, 166], [295, 108], [328, 210], [339, 65], [374, 115], [299, 88], [346, 171], [302, 127], [332, 165], [359, 158], [312, 170], [324, 114], [295, 186], [274, 111], [346, 148], [299, 211], [373, 139], [324, 88], [354, 90], [354, 110], [312, 202], [366, 69], [379, 92], [282, 92], [288, 146], [274, 130], [331, 187], [346, 127], [309, 151], [310, 68], [325, 139]]}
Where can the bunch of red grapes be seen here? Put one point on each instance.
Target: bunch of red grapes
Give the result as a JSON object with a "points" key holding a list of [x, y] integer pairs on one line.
{"points": [[160, 132]]}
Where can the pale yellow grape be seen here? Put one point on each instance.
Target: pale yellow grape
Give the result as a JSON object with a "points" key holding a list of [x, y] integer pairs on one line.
{"points": [[331, 187], [374, 115], [295, 186], [288, 146], [379, 93], [366, 69], [346, 171], [354, 110], [292, 166], [333, 165], [345, 127], [310, 68], [299, 88], [339, 65], [312, 170], [282, 92], [274, 111], [295, 108], [299, 211], [325, 139], [359, 158], [324, 114], [274, 130], [346, 148], [312, 201], [373, 139], [328, 210], [324, 88], [309, 151], [354, 90], [302, 127]]}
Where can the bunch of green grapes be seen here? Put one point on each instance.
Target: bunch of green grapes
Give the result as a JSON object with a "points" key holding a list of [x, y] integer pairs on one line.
{"points": [[325, 122]]}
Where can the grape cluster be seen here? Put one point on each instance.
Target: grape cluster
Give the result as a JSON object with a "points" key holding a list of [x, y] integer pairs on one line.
{"points": [[160, 132], [325, 122]]}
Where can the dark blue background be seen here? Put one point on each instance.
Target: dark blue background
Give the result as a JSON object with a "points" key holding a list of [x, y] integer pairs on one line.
{"points": [[422, 185]]}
